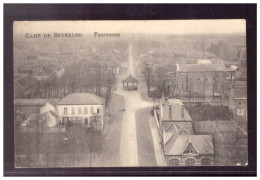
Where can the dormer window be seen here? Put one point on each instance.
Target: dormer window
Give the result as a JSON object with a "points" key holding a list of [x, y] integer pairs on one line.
{"points": [[190, 149]]}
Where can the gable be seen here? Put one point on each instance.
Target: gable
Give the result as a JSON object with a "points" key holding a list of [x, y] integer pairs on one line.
{"points": [[190, 149], [47, 107]]}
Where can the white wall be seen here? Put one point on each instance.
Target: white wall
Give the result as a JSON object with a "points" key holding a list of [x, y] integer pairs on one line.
{"points": [[51, 121], [60, 109], [46, 108]]}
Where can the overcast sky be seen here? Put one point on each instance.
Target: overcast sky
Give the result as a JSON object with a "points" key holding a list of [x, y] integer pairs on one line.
{"points": [[150, 26]]}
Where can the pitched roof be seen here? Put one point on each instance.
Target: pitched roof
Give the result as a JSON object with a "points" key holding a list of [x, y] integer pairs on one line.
{"points": [[26, 81], [53, 102], [173, 130], [202, 143], [53, 114], [202, 68], [35, 120], [130, 79], [81, 99], [35, 102], [176, 111]]}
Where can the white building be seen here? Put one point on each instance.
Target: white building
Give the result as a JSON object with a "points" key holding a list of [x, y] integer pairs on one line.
{"points": [[47, 107], [82, 108]]}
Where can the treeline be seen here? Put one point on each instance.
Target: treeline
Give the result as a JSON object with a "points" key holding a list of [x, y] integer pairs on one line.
{"points": [[77, 78]]}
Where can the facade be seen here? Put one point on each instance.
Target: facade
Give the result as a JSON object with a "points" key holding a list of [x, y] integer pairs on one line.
{"points": [[105, 66], [238, 103], [190, 150], [82, 108], [105, 70], [202, 82], [180, 145]]}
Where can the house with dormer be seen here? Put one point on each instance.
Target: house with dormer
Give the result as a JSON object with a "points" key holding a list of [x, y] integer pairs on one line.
{"points": [[180, 145]]}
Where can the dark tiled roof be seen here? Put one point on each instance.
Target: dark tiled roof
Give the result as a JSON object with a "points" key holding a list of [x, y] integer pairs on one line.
{"points": [[202, 144], [26, 81], [130, 79], [176, 111]]}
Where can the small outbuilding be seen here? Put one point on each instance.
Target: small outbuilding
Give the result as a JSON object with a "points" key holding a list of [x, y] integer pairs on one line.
{"points": [[130, 83]]}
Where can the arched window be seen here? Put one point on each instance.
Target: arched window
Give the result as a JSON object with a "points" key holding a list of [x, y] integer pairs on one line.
{"points": [[190, 162], [205, 162], [174, 162]]}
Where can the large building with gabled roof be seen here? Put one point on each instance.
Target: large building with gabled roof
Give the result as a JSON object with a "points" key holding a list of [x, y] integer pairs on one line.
{"points": [[180, 144], [202, 83], [82, 108]]}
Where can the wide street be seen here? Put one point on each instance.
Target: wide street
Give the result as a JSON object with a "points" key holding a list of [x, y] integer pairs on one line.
{"points": [[132, 152], [130, 137]]}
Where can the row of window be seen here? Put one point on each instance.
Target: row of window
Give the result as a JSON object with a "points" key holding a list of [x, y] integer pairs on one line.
{"points": [[79, 110], [189, 162]]}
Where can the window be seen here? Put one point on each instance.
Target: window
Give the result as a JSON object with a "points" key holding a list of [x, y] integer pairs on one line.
{"points": [[190, 149], [205, 161], [240, 112], [92, 110], [85, 110], [190, 162], [86, 120], [98, 110], [240, 103], [72, 110], [65, 110], [79, 110], [174, 162], [187, 82]]}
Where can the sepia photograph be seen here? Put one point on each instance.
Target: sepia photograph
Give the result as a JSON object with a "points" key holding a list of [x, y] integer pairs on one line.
{"points": [[138, 93]]}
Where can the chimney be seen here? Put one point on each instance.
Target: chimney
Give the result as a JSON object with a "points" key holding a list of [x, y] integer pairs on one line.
{"points": [[182, 112], [170, 111], [163, 99]]}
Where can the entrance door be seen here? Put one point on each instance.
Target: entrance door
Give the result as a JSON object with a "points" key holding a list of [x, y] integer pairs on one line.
{"points": [[86, 120], [65, 120]]}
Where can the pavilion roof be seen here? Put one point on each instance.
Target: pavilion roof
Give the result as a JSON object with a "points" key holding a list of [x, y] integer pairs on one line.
{"points": [[130, 79]]}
